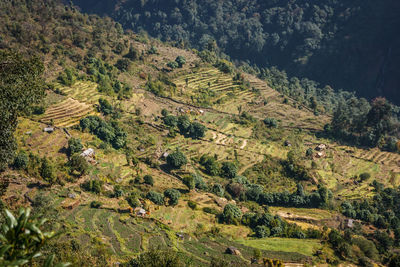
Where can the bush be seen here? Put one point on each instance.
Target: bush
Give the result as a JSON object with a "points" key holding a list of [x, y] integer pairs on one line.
{"points": [[228, 170], [123, 64], [181, 60], [118, 192], [262, 231], [105, 107], [95, 204], [176, 159], [210, 164], [155, 197], [78, 164], [173, 64], [74, 146], [47, 170], [21, 161], [271, 122], [189, 182], [365, 176], [218, 190], [173, 196], [148, 179], [93, 186], [133, 200], [199, 182], [192, 204], [211, 210], [197, 130], [231, 214]]}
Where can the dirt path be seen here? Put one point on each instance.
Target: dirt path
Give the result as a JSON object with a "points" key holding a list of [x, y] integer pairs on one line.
{"points": [[244, 144]]}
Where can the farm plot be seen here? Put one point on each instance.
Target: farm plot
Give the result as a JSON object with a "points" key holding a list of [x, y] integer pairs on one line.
{"points": [[206, 85], [83, 91], [67, 113]]}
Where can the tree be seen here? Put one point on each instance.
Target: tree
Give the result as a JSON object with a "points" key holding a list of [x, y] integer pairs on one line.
{"points": [[22, 240], [74, 146], [231, 214], [176, 159], [132, 54], [123, 64], [189, 182], [228, 170], [148, 179], [21, 161], [157, 257], [262, 231], [21, 86], [181, 60], [155, 197], [47, 170], [173, 196], [105, 107], [78, 164], [173, 64], [197, 130]]}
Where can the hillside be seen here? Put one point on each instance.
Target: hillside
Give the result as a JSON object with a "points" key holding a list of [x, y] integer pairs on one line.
{"points": [[143, 153], [350, 45]]}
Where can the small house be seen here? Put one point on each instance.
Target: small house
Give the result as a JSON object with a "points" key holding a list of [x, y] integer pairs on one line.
{"points": [[321, 147], [88, 153], [233, 251], [48, 129]]}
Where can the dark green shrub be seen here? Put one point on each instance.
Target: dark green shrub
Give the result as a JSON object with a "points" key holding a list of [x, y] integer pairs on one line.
{"points": [[78, 164], [181, 60], [155, 197], [94, 186], [74, 146], [228, 170], [211, 210], [47, 171], [365, 176], [21, 161], [148, 179], [95, 204], [189, 182], [176, 159], [271, 122], [173, 196], [231, 214], [262, 231], [192, 204]]}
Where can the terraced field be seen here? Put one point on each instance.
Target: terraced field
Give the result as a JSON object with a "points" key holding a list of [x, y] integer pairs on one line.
{"points": [[83, 91], [67, 113]]}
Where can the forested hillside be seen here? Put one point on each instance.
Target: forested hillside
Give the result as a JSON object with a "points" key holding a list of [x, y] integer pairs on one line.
{"points": [[118, 149], [345, 44]]}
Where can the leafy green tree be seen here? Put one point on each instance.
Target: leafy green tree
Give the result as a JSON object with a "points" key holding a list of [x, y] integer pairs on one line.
{"points": [[155, 197], [157, 257], [22, 240], [148, 179], [183, 124], [105, 107], [173, 64], [173, 196], [176, 159], [132, 54], [228, 169], [47, 170], [231, 214], [218, 190], [21, 86], [170, 120], [123, 64], [197, 130], [189, 182], [262, 231], [21, 161], [94, 186], [78, 164], [181, 60], [74, 146]]}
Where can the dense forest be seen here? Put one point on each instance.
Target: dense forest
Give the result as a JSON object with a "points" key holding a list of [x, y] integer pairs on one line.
{"points": [[350, 45]]}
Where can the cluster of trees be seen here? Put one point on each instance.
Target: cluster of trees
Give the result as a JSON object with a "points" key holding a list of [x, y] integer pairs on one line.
{"points": [[21, 86], [172, 195], [212, 167], [383, 210], [264, 224], [178, 63], [315, 39], [361, 123], [110, 132], [182, 123]]}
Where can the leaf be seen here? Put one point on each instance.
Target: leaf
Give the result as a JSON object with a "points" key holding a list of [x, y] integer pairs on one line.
{"points": [[49, 261], [4, 249], [11, 221]]}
